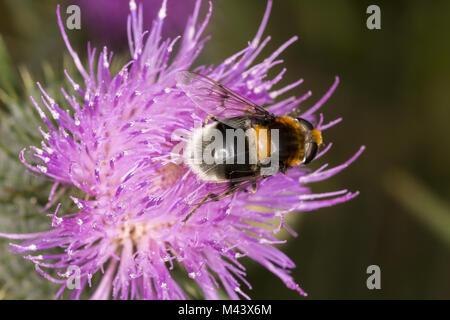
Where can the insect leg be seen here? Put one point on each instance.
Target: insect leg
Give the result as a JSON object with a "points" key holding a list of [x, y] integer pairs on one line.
{"points": [[211, 196], [209, 118], [198, 205], [254, 187], [283, 168]]}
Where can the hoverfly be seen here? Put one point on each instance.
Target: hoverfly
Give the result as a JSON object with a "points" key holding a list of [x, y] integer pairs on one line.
{"points": [[298, 141]]}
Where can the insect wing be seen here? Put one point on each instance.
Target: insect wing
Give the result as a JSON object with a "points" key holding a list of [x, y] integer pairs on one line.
{"points": [[216, 99]]}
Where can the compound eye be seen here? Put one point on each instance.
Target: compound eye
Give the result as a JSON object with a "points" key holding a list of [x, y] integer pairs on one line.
{"points": [[310, 152], [306, 124]]}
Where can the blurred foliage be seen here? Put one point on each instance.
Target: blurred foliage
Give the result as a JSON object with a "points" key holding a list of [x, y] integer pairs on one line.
{"points": [[426, 207], [393, 96], [21, 195]]}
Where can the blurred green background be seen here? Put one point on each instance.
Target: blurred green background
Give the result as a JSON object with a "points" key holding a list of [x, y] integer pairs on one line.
{"points": [[394, 97]]}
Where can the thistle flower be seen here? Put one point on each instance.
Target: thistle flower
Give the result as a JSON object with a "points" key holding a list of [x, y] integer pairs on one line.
{"points": [[106, 20], [115, 144]]}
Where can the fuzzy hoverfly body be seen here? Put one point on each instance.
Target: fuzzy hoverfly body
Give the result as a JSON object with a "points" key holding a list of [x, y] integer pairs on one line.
{"points": [[240, 141]]}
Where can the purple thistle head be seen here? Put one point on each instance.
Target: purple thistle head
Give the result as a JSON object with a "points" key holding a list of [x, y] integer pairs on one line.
{"points": [[116, 140], [106, 20]]}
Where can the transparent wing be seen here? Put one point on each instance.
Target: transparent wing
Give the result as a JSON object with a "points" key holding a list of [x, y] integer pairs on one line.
{"points": [[216, 99]]}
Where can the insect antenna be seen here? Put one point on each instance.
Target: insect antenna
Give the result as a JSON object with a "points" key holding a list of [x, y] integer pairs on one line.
{"points": [[295, 113]]}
